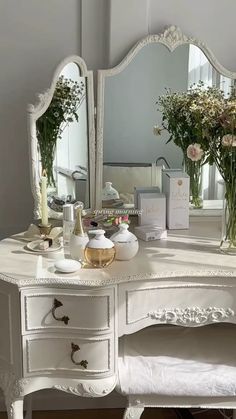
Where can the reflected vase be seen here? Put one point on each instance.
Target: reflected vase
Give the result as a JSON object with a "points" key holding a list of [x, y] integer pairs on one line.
{"points": [[228, 239], [194, 170]]}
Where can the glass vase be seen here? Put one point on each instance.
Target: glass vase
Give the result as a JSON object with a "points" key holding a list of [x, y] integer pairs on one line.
{"points": [[194, 170], [228, 240]]}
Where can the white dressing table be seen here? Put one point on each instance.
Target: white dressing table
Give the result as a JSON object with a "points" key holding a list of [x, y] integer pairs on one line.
{"points": [[61, 331]]}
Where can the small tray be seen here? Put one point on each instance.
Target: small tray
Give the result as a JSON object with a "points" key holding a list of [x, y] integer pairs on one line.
{"points": [[34, 246]]}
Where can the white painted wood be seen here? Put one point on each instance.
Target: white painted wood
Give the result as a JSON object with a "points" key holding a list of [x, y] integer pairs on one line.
{"points": [[172, 37], [45, 354], [183, 277], [133, 412], [188, 305], [182, 402], [28, 406], [15, 409], [37, 110], [184, 256], [87, 311]]}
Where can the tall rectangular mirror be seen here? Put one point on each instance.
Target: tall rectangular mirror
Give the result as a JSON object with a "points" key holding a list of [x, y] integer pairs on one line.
{"points": [[62, 139]]}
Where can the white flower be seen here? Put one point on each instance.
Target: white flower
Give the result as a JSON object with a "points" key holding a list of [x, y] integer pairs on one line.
{"points": [[229, 140], [157, 130], [195, 152]]}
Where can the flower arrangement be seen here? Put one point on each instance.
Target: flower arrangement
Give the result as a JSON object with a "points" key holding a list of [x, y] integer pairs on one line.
{"points": [[202, 121], [63, 109], [189, 117], [222, 142]]}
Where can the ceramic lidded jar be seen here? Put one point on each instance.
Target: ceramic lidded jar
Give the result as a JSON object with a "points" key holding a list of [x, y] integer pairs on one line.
{"points": [[99, 251], [109, 192], [126, 243]]}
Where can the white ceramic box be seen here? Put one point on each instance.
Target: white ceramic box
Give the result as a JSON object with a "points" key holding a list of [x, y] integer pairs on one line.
{"points": [[150, 232], [176, 189], [152, 208]]}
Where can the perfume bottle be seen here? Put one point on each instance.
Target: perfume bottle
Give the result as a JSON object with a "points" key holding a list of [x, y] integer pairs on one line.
{"points": [[100, 251], [68, 222], [79, 238], [126, 243]]}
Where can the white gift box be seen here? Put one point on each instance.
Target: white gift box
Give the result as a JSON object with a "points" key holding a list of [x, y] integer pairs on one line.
{"points": [[150, 232], [152, 208], [147, 189], [176, 189]]}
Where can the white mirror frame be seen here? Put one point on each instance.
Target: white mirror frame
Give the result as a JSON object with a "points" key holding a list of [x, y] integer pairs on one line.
{"points": [[37, 110], [172, 37]]}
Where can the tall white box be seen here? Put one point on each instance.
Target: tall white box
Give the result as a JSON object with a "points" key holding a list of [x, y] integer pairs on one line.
{"points": [[152, 208], [176, 189]]}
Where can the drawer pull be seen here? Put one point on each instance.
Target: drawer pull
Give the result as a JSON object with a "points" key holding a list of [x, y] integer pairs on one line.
{"points": [[56, 304], [76, 348]]}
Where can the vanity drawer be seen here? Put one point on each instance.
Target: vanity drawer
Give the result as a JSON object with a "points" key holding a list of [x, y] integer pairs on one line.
{"points": [[45, 354], [189, 305], [55, 309]]}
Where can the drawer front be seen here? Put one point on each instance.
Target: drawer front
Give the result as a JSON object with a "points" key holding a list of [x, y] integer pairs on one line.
{"points": [[186, 305], [87, 310], [70, 355]]}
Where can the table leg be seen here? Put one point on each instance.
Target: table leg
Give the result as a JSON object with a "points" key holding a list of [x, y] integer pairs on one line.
{"points": [[28, 405], [133, 412], [15, 409]]}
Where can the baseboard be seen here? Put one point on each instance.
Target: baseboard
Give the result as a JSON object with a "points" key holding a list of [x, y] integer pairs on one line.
{"points": [[58, 400]]}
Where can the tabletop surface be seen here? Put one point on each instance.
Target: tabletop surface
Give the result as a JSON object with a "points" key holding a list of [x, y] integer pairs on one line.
{"points": [[184, 255]]}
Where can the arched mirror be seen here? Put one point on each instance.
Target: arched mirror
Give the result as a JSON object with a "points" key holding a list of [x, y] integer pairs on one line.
{"points": [[62, 139], [130, 155]]}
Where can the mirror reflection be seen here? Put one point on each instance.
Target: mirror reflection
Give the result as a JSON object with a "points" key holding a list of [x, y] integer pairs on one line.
{"points": [[133, 155], [62, 136]]}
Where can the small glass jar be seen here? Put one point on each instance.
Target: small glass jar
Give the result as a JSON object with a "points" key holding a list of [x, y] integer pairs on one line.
{"points": [[99, 251]]}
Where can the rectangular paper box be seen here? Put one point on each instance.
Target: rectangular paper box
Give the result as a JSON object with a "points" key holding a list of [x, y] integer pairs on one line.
{"points": [[147, 189], [176, 189], [150, 232], [152, 207]]}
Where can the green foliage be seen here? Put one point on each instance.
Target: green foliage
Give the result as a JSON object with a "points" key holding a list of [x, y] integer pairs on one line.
{"points": [[63, 110], [191, 116]]}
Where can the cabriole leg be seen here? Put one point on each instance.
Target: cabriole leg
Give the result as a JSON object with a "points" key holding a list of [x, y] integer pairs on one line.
{"points": [[133, 412], [28, 406], [15, 409]]}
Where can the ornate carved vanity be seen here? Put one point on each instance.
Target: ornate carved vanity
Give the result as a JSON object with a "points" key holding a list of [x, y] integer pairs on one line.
{"points": [[61, 331]]}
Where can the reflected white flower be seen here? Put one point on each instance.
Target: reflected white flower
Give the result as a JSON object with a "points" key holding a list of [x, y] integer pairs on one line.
{"points": [[157, 130], [229, 140], [195, 152]]}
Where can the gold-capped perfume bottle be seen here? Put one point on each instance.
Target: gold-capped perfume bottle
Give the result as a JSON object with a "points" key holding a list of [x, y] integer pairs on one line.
{"points": [[99, 251], [79, 238]]}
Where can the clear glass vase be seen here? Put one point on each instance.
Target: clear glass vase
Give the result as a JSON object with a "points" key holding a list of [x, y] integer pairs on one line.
{"points": [[228, 239], [194, 170]]}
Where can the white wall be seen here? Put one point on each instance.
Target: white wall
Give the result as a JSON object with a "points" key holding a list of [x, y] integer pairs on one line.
{"points": [[35, 36], [212, 21]]}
